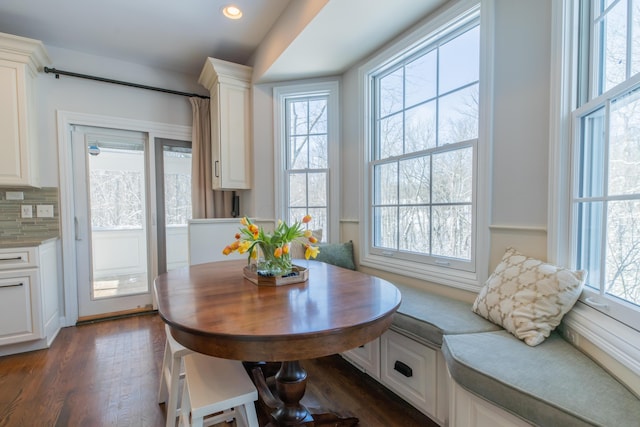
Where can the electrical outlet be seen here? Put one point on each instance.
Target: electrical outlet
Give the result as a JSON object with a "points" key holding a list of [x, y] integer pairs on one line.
{"points": [[26, 211], [44, 211]]}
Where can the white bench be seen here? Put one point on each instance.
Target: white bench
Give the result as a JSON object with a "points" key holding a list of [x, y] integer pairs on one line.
{"points": [[217, 387]]}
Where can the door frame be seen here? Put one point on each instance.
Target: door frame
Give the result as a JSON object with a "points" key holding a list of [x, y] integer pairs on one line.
{"points": [[65, 120]]}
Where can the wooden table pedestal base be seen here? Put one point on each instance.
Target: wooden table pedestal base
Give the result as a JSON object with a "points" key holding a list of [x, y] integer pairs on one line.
{"points": [[285, 409]]}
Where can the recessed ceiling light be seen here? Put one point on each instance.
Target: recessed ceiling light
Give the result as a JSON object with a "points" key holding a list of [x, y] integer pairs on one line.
{"points": [[232, 12]]}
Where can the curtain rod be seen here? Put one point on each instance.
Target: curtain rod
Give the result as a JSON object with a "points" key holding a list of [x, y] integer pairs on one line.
{"points": [[48, 70]]}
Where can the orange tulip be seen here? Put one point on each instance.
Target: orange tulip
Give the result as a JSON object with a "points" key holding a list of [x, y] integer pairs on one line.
{"points": [[313, 239], [277, 253], [285, 248], [227, 250], [306, 219]]}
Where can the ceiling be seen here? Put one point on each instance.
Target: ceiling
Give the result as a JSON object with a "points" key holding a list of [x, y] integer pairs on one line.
{"points": [[179, 35]]}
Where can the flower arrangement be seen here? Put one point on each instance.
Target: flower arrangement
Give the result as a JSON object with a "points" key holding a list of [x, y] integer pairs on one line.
{"points": [[274, 246]]}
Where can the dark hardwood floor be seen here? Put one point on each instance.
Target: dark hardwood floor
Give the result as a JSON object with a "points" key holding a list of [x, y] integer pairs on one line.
{"points": [[107, 373]]}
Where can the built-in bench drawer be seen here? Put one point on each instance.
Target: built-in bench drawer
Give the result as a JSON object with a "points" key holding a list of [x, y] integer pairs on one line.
{"points": [[366, 357], [409, 369]]}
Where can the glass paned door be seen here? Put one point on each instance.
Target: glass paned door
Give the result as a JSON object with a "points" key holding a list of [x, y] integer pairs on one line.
{"points": [[112, 233], [173, 178]]}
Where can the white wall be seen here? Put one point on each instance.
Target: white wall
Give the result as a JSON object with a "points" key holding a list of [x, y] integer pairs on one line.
{"points": [[91, 97]]}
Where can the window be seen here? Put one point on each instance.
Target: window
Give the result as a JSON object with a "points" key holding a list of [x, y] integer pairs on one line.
{"points": [[306, 145], [424, 147], [605, 211]]}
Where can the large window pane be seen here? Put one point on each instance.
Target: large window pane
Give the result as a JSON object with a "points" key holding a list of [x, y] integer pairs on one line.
{"points": [[452, 231], [297, 117], [318, 151], [415, 180], [452, 176], [298, 152], [318, 189], [460, 61], [390, 94], [623, 250], [624, 145], [391, 133], [318, 116], [420, 79], [386, 231], [414, 229], [297, 189], [614, 46], [420, 127], [386, 189], [458, 116]]}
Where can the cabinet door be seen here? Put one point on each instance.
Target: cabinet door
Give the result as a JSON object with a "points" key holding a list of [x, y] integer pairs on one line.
{"points": [[232, 171], [14, 161], [19, 312], [366, 357], [409, 368]]}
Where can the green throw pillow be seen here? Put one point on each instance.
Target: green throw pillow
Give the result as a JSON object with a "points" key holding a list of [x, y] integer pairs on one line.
{"points": [[340, 254]]}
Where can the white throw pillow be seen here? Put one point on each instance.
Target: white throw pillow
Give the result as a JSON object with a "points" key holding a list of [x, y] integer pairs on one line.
{"points": [[297, 246], [528, 297]]}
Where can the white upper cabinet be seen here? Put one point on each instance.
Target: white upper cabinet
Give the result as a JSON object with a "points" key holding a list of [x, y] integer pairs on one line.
{"points": [[230, 87], [20, 61]]}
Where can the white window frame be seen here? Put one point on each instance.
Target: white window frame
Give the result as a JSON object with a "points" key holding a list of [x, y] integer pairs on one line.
{"points": [[619, 341], [281, 94], [431, 29]]}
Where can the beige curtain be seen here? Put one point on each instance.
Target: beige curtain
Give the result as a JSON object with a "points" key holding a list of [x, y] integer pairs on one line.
{"points": [[206, 203]]}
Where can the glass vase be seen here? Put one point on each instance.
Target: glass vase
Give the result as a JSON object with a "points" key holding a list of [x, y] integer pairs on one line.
{"points": [[270, 265]]}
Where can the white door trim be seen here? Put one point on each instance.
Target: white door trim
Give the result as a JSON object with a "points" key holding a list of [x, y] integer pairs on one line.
{"points": [[65, 120]]}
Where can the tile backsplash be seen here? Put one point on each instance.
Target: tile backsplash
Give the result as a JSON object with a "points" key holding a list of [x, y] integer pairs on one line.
{"points": [[12, 225]]}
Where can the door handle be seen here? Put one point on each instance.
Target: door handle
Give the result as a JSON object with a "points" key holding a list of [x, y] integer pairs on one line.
{"points": [[403, 368], [76, 228]]}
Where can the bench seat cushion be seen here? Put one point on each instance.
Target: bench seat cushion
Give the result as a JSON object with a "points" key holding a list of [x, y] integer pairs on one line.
{"points": [[553, 384], [427, 316]]}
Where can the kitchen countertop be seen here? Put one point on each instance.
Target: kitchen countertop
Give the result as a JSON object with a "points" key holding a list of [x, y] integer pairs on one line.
{"points": [[23, 242]]}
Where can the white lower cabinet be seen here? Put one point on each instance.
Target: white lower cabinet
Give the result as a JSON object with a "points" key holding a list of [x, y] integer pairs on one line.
{"points": [[366, 357], [18, 321], [29, 313], [414, 371], [409, 368], [468, 410]]}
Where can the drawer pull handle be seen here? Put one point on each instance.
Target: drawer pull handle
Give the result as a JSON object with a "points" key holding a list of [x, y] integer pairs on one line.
{"points": [[403, 368], [15, 285], [18, 258]]}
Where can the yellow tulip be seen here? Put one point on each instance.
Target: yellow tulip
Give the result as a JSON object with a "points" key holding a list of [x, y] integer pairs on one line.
{"points": [[311, 252], [244, 221], [277, 253], [244, 246], [308, 233]]}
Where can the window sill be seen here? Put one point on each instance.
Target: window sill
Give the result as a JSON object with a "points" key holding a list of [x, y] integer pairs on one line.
{"points": [[439, 275], [616, 339]]}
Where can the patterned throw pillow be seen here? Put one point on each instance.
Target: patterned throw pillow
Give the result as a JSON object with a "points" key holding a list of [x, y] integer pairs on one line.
{"points": [[528, 297]]}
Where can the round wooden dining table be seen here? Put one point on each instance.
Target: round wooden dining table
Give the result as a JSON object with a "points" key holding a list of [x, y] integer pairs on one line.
{"points": [[212, 309]]}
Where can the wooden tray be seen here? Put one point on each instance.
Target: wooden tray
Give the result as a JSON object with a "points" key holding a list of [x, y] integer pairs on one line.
{"points": [[298, 275]]}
